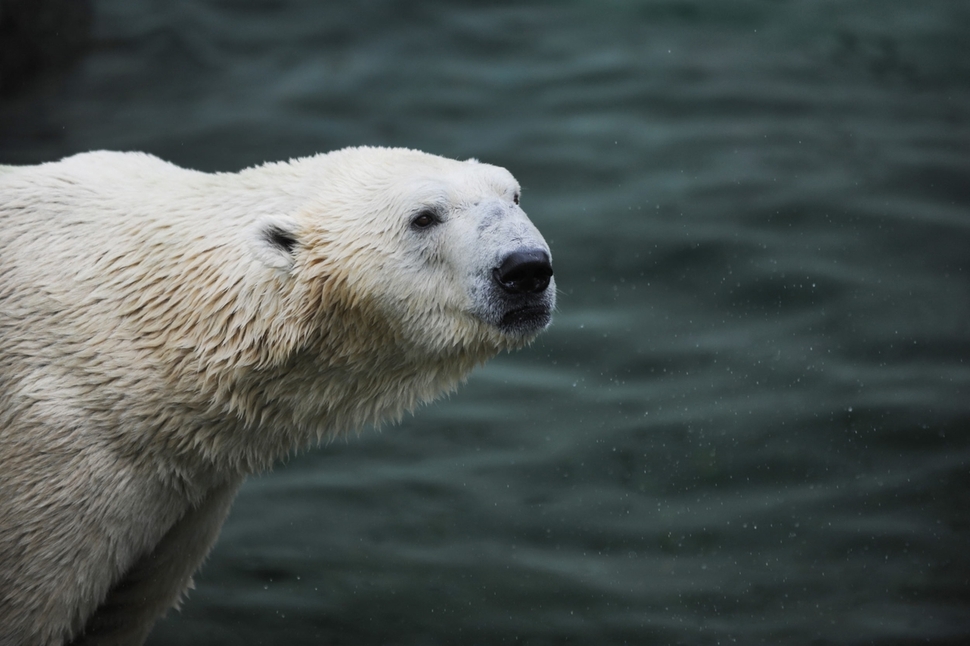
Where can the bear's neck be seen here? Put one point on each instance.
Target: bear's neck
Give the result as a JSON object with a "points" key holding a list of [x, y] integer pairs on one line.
{"points": [[274, 412], [269, 412]]}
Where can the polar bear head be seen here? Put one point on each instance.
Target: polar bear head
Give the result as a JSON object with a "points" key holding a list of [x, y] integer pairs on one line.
{"points": [[401, 261], [439, 249]]}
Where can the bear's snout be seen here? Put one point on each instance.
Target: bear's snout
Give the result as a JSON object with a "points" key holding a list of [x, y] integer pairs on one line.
{"points": [[526, 271]]}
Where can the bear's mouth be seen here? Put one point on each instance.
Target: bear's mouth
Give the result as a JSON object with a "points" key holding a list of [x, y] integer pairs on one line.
{"points": [[530, 318]]}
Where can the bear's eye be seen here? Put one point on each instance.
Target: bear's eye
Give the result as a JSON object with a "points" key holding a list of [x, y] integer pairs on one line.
{"points": [[515, 198], [423, 220]]}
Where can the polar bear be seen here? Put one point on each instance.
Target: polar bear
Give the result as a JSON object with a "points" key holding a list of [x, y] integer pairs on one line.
{"points": [[165, 332]]}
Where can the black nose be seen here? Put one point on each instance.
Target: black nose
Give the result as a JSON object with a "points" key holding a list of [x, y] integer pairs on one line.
{"points": [[524, 272]]}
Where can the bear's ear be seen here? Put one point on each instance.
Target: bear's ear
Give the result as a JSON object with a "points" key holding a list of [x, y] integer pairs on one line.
{"points": [[274, 241]]}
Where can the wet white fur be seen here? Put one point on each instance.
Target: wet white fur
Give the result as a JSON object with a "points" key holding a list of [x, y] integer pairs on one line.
{"points": [[156, 346]]}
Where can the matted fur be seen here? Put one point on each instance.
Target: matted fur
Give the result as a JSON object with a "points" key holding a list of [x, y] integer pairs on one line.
{"points": [[164, 332]]}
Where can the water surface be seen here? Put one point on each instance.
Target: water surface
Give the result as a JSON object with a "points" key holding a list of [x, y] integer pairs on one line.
{"points": [[750, 421]]}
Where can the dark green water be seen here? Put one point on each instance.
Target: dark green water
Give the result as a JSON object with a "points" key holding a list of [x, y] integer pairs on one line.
{"points": [[750, 421]]}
